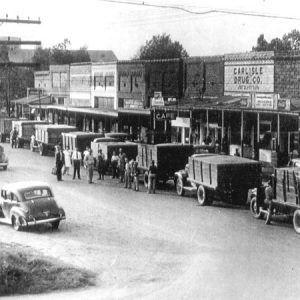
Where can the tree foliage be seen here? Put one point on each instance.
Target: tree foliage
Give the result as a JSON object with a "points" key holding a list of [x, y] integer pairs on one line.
{"points": [[60, 55], [290, 41], [160, 47]]}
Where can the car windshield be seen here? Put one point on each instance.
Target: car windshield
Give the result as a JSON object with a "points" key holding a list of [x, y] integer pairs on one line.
{"points": [[36, 193]]}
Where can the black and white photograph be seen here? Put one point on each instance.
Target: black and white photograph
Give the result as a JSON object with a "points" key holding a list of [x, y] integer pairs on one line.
{"points": [[149, 150]]}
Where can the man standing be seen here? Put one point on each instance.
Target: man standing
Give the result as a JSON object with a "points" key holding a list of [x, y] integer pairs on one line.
{"points": [[152, 178], [89, 164], [127, 174], [76, 159], [60, 161], [13, 137], [114, 164], [101, 164], [135, 175], [121, 164]]}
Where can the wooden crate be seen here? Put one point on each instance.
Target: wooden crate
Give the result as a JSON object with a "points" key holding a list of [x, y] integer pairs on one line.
{"points": [[223, 170]]}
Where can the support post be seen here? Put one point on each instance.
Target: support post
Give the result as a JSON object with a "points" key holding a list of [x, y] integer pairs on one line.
{"points": [[242, 132], [222, 130], [278, 132], [207, 123]]}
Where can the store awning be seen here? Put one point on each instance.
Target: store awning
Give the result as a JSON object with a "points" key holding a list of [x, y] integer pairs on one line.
{"points": [[32, 99], [82, 110], [144, 112]]}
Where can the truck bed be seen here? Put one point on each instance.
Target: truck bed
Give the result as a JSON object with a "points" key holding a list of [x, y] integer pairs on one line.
{"points": [[220, 171]]}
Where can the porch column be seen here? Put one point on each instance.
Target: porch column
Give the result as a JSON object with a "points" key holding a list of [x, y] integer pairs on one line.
{"points": [[258, 129], [278, 132], [190, 133], [242, 132], [154, 115], [222, 130], [207, 124]]}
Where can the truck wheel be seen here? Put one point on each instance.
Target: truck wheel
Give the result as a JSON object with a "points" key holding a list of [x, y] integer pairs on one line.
{"points": [[255, 210], [146, 178], [179, 187], [55, 225], [202, 196], [296, 220]]}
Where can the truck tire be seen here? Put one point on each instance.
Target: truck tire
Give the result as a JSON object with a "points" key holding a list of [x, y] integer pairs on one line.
{"points": [[203, 195], [146, 178], [296, 220], [179, 187], [254, 209]]}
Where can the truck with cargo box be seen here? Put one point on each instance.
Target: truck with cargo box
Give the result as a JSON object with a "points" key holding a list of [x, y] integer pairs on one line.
{"points": [[26, 128], [107, 147], [48, 136], [5, 128], [212, 176], [285, 185], [168, 158], [78, 139]]}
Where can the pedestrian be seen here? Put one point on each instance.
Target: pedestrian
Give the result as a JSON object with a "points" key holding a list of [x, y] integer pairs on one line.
{"points": [[152, 177], [135, 175], [76, 159], [237, 153], [86, 151], [121, 165], [67, 154], [13, 137], [32, 141], [127, 174], [269, 199], [114, 164], [60, 162], [101, 164], [89, 162]]}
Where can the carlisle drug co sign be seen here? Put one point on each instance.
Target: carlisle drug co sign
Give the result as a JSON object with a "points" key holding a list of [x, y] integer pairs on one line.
{"points": [[249, 76]]}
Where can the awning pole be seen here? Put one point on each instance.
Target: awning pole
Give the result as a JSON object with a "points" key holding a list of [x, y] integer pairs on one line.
{"points": [[207, 124], [258, 129], [242, 131], [222, 131], [278, 131]]}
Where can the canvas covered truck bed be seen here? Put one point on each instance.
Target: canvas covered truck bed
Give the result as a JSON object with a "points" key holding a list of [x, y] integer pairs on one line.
{"points": [[78, 139]]}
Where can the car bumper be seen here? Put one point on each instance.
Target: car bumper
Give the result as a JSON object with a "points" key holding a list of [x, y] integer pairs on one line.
{"points": [[37, 222]]}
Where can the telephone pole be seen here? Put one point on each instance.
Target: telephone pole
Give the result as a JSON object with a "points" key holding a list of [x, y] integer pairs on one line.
{"points": [[8, 65]]}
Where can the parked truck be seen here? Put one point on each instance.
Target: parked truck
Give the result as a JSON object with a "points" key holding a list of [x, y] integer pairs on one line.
{"points": [[48, 136], [79, 139], [212, 176], [26, 128], [285, 187], [5, 128], [168, 158]]}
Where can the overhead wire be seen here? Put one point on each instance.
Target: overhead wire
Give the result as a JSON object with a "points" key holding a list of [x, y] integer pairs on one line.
{"points": [[208, 11]]}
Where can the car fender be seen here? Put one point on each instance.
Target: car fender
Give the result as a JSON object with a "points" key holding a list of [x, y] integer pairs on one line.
{"points": [[61, 212], [18, 212]]}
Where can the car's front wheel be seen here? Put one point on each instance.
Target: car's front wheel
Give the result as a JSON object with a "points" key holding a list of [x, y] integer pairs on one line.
{"points": [[15, 222], [55, 225]]}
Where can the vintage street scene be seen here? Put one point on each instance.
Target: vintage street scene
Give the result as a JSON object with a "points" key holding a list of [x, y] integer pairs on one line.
{"points": [[149, 150]]}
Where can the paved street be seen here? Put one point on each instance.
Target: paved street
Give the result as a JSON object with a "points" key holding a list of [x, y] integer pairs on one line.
{"points": [[159, 246]]}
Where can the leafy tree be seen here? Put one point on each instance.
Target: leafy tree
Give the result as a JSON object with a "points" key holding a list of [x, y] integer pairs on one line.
{"points": [[161, 46], [60, 55], [290, 41]]}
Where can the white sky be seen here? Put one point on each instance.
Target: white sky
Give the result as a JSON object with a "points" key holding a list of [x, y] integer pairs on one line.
{"points": [[123, 28]]}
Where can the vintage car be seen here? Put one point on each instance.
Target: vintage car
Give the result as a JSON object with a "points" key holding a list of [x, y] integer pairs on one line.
{"points": [[3, 159], [29, 203]]}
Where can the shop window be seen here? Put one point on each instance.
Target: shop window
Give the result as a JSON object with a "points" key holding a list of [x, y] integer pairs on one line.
{"points": [[104, 102], [61, 100]]}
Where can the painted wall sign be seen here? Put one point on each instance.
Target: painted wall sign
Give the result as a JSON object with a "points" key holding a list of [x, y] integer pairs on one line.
{"points": [[249, 77], [264, 102], [181, 122]]}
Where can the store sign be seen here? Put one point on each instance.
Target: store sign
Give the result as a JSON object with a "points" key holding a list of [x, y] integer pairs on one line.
{"points": [[264, 102], [247, 77], [158, 99], [265, 155], [162, 116], [284, 104], [181, 122]]}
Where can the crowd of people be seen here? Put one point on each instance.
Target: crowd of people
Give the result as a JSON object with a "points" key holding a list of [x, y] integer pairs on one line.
{"points": [[123, 169]]}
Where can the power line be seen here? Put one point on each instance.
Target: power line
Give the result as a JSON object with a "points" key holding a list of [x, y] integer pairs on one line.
{"points": [[209, 11]]}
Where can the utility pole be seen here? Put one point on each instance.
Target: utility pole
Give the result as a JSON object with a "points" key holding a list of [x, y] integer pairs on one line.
{"points": [[9, 65]]}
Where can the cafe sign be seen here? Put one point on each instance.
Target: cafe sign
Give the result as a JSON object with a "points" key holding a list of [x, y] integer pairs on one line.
{"points": [[249, 77]]}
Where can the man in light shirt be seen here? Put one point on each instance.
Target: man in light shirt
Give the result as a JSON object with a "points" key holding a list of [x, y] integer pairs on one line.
{"points": [[89, 162], [76, 159]]}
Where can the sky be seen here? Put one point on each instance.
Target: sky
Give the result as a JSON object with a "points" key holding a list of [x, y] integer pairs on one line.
{"points": [[123, 28]]}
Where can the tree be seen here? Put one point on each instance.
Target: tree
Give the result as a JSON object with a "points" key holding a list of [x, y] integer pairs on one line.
{"points": [[161, 46], [290, 41], [60, 55]]}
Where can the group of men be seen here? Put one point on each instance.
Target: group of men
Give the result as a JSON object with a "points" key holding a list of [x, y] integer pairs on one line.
{"points": [[122, 168]]}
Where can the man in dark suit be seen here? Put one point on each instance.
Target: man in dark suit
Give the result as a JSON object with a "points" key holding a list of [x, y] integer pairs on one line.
{"points": [[60, 162]]}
